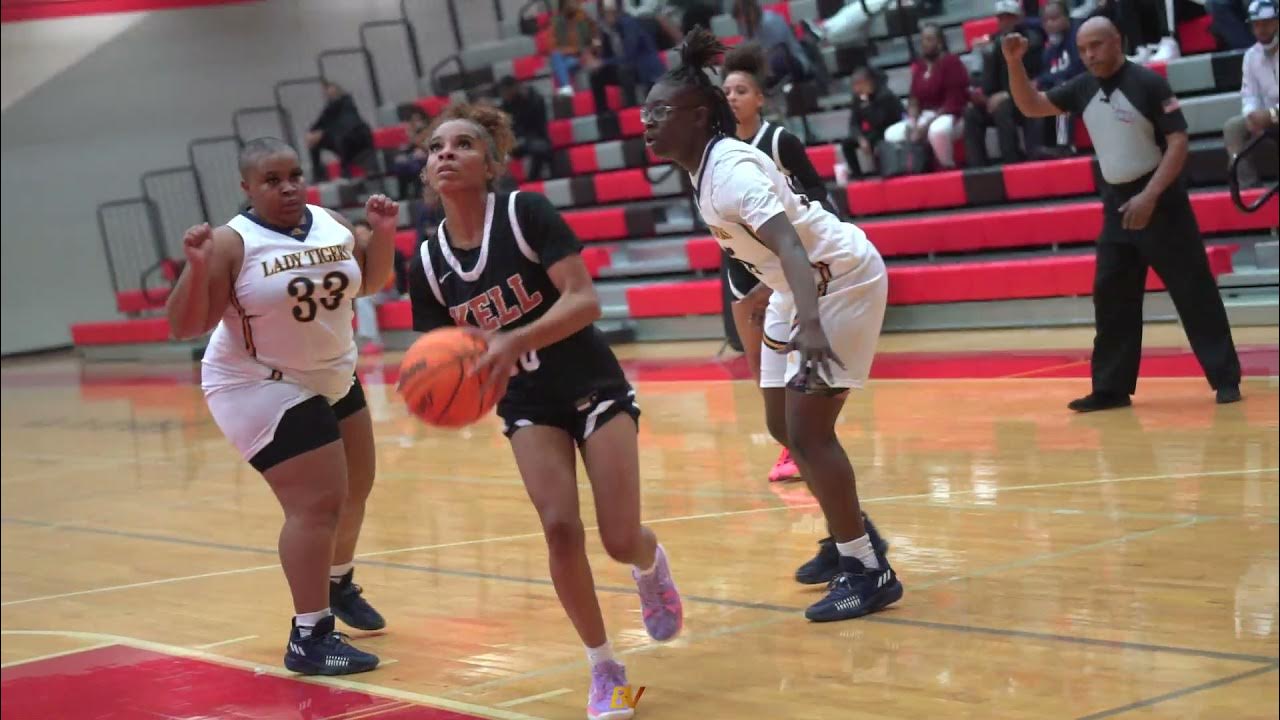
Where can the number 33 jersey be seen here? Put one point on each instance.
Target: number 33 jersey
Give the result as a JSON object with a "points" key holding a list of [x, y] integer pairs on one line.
{"points": [[291, 307]]}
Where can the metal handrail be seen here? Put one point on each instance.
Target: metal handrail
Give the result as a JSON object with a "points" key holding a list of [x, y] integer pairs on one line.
{"points": [[408, 31], [191, 160], [276, 93], [368, 68], [1233, 180], [236, 118], [434, 74], [106, 246]]}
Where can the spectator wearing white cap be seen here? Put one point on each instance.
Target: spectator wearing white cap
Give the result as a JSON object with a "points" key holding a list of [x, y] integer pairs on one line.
{"points": [[1259, 92], [992, 104]]}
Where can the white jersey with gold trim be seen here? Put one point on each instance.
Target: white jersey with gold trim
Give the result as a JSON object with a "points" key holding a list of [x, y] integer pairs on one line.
{"points": [[738, 188], [291, 307]]}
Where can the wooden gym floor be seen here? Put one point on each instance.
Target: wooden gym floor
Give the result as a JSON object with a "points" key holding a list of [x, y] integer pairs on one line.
{"points": [[1121, 564]]}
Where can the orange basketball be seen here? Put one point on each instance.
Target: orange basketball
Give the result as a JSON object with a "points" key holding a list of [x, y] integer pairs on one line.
{"points": [[438, 380]]}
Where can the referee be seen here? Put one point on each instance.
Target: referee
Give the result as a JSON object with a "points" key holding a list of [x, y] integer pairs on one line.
{"points": [[1141, 137]]}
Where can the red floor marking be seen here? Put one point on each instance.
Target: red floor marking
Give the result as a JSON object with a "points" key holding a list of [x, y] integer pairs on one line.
{"points": [[124, 683], [19, 10], [1255, 361]]}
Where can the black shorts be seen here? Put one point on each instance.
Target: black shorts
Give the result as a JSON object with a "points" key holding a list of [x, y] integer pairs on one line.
{"points": [[308, 425], [579, 419]]}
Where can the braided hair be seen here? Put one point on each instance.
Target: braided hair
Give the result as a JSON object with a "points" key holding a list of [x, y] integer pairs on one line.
{"points": [[697, 53]]}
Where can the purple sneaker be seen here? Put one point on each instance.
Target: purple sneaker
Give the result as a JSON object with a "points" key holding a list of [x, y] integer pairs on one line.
{"points": [[659, 599], [610, 697]]}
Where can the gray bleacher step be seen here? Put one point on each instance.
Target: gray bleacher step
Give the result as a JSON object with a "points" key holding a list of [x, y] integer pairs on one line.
{"points": [[1267, 254]]}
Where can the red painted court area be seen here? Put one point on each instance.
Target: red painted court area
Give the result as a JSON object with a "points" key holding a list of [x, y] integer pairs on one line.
{"points": [[124, 683]]}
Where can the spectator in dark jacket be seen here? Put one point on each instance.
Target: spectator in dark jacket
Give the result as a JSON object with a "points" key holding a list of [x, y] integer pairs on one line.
{"points": [[1060, 62], [875, 109], [528, 113], [993, 106], [939, 92], [341, 131], [628, 56]]}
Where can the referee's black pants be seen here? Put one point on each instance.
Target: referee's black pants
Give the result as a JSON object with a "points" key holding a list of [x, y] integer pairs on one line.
{"points": [[1172, 246]]}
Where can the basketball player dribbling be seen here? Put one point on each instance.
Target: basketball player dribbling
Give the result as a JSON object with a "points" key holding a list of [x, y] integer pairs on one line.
{"points": [[824, 273], [509, 265], [278, 283]]}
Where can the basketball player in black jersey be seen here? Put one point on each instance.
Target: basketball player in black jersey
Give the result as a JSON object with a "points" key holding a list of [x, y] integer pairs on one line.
{"points": [[745, 69], [509, 265]]}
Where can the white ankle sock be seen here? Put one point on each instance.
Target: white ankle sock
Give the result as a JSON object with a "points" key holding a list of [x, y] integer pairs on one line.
{"points": [[337, 571], [861, 549], [653, 564], [305, 622], [597, 655]]}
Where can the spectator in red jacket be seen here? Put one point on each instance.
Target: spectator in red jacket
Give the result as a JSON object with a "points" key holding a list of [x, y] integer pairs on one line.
{"points": [[939, 93]]}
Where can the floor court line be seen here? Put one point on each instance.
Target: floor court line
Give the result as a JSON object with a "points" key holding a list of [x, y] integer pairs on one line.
{"points": [[522, 536], [533, 698], [1181, 692], [220, 643], [338, 682], [53, 655]]}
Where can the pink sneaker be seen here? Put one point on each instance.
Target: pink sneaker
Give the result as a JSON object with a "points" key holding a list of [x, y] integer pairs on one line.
{"points": [[785, 468], [610, 697], [659, 600]]}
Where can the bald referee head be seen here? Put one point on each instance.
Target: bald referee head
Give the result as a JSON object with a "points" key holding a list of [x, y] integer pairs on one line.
{"points": [[1099, 43]]}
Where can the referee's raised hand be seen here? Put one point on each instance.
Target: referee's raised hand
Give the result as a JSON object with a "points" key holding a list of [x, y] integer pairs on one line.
{"points": [[1014, 47]]}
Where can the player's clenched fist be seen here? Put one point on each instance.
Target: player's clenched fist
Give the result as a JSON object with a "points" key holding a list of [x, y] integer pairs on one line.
{"points": [[382, 212], [197, 243], [1014, 47]]}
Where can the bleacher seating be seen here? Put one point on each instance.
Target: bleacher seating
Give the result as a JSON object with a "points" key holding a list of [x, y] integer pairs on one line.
{"points": [[1017, 232]]}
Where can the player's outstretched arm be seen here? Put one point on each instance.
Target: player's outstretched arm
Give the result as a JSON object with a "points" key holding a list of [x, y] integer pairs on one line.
{"points": [[379, 253], [203, 291]]}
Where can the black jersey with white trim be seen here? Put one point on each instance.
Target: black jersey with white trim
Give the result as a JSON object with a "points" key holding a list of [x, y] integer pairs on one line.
{"points": [[504, 284]]}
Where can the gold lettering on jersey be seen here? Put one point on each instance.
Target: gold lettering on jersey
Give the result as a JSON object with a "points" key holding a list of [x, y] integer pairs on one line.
{"points": [[278, 264], [491, 309], [326, 255], [720, 233], [312, 257]]}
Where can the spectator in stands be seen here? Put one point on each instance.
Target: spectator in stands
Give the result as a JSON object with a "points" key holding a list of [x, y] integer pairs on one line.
{"points": [[787, 58], [875, 109], [1230, 23], [1149, 27], [659, 18], [409, 159], [850, 24], [576, 39], [992, 105], [1259, 94], [341, 131], [627, 56], [1147, 219], [1060, 62], [694, 13], [936, 106], [528, 113]]}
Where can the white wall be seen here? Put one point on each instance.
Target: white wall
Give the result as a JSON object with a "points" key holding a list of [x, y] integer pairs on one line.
{"points": [[96, 102]]}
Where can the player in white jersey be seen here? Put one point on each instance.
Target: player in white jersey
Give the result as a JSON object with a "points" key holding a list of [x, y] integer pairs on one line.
{"points": [[278, 282], [827, 270]]}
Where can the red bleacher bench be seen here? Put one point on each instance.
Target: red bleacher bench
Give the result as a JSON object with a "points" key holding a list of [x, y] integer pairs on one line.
{"points": [[1059, 276], [395, 315], [136, 301], [121, 332], [979, 30], [1194, 36], [433, 105], [391, 137]]}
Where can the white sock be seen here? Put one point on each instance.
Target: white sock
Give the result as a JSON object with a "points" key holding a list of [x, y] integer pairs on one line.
{"points": [[861, 549], [337, 571], [305, 622], [652, 564], [597, 655]]}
